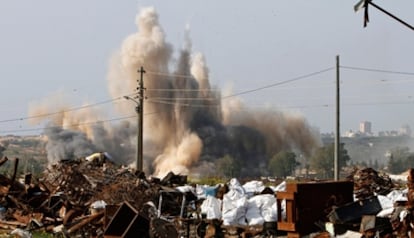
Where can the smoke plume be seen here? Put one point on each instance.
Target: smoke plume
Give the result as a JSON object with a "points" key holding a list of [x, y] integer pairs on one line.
{"points": [[187, 123]]}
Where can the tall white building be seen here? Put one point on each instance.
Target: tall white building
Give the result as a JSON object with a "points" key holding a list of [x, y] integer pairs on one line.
{"points": [[365, 127]]}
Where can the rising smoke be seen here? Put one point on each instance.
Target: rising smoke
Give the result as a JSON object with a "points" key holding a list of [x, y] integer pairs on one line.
{"points": [[187, 124]]}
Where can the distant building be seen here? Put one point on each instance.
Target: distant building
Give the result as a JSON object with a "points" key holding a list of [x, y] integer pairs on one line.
{"points": [[388, 133], [365, 127], [352, 134], [405, 130]]}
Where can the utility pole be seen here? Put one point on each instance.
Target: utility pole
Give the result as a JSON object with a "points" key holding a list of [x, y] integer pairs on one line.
{"points": [[139, 109], [140, 119], [337, 155]]}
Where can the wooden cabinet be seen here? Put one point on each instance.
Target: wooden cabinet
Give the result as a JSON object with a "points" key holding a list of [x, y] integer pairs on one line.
{"points": [[307, 203]]}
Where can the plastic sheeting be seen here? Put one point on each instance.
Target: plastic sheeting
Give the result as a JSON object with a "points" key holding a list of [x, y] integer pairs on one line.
{"points": [[387, 202], [203, 191]]}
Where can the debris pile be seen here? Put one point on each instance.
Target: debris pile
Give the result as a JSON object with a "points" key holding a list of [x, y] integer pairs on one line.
{"points": [[71, 197], [97, 198], [368, 182], [379, 209]]}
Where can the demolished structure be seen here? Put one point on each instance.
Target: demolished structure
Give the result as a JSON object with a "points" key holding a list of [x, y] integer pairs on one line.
{"points": [[96, 198]]}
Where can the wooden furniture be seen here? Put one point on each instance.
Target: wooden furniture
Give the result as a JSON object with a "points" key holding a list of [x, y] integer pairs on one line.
{"points": [[309, 203]]}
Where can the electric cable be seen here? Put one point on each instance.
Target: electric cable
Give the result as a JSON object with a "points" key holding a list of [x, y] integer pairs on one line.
{"points": [[376, 70]]}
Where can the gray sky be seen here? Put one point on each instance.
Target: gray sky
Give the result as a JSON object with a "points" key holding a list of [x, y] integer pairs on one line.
{"points": [[49, 47]]}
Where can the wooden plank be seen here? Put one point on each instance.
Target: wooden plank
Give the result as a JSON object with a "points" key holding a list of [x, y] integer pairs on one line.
{"points": [[293, 235], [285, 195], [286, 226]]}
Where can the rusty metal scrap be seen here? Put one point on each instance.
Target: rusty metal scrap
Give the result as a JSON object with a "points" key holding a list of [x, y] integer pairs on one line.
{"points": [[61, 198]]}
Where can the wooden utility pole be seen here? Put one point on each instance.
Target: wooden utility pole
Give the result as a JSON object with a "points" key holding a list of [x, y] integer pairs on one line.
{"points": [[337, 155], [140, 119]]}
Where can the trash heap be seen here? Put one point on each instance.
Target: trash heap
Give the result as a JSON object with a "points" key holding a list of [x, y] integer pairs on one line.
{"points": [[380, 208], [368, 182], [97, 198], [93, 197], [75, 196]]}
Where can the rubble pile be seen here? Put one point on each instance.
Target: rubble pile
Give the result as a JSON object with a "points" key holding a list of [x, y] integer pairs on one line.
{"points": [[83, 183], [380, 208], [97, 198], [368, 182], [70, 197]]}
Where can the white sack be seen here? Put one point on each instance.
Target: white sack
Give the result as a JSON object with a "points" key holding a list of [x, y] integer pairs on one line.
{"points": [[253, 187], [261, 208], [234, 204], [211, 207]]}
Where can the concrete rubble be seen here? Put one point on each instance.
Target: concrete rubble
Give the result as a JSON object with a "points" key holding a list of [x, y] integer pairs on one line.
{"points": [[93, 197]]}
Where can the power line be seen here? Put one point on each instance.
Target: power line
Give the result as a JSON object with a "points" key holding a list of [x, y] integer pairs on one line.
{"points": [[377, 70], [380, 103], [182, 104], [348, 104], [269, 85], [165, 100], [75, 125], [63, 111], [279, 83], [365, 3], [185, 98], [171, 75], [181, 90], [206, 90], [72, 125], [194, 105]]}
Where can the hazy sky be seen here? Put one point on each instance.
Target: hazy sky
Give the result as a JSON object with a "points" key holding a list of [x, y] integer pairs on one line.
{"points": [[49, 47]]}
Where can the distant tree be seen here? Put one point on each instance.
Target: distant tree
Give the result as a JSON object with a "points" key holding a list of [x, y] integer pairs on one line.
{"points": [[409, 162], [399, 160], [5, 143], [35, 166], [283, 164], [323, 160], [2, 149], [228, 166], [376, 165], [395, 165]]}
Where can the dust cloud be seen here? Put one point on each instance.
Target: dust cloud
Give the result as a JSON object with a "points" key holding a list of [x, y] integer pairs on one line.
{"points": [[188, 125]]}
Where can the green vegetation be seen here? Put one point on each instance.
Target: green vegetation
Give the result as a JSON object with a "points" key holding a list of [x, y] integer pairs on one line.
{"points": [[245, 157], [400, 160], [322, 160], [283, 164], [208, 180], [29, 150], [42, 235], [229, 167]]}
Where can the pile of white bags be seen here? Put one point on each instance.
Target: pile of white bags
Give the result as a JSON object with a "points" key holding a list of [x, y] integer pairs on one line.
{"points": [[240, 207]]}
